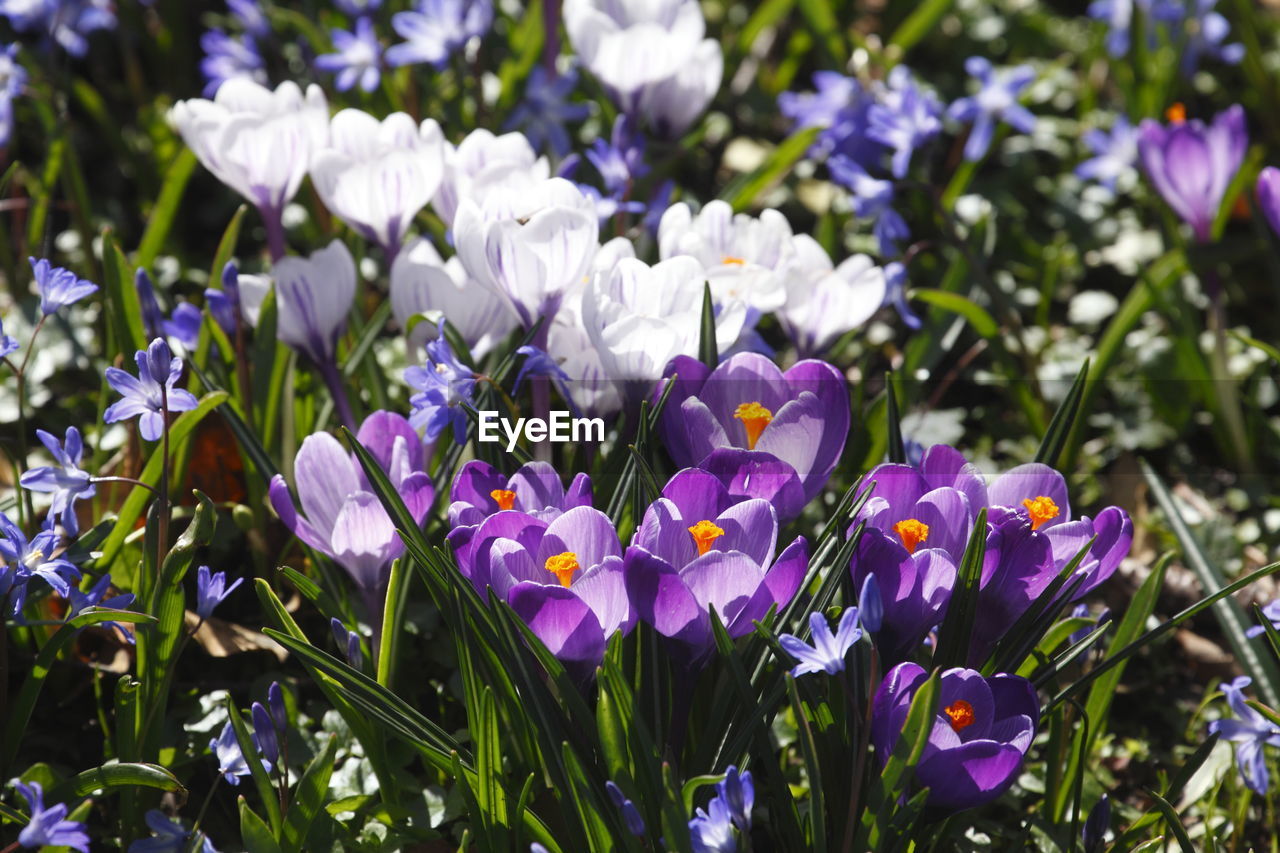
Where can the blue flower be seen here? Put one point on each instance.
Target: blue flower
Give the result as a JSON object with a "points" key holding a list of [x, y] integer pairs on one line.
{"points": [[895, 279], [546, 109], [1118, 16], [356, 59], [264, 729], [357, 8], [841, 107], [212, 590], [251, 17], [224, 304], [183, 325], [630, 814], [539, 363], [12, 78], [1094, 834], [828, 651], [437, 29], [712, 830], [227, 57], [58, 287], [1271, 613], [1206, 31], [170, 836], [996, 100], [739, 796], [65, 480], [8, 345], [872, 199], [79, 601], [275, 704], [151, 392], [904, 118], [25, 558], [231, 761], [1115, 153], [348, 641], [1250, 732], [66, 22], [443, 384], [870, 604], [48, 827]]}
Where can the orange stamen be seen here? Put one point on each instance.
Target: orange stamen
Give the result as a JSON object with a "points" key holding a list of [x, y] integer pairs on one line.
{"points": [[755, 418], [505, 497], [1177, 113], [912, 533], [730, 259], [961, 714], [1040, 509], [704, 533], [563, 566]]}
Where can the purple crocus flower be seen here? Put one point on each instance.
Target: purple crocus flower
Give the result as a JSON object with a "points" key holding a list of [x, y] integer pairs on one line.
{"points": [[980, 736], [1191, 164], [904, 118], [563, 577], [480, 490], [356, 57], [58, 287], [64, 479], [344, 520], [227, 57], [915, 587], [828, 651], [872, 199], [212, 590], [1251, 733], [1268, 197], [995, 101], [48, 827], [1271, 612], [437, 29], [697, 548], [546, 109], [1115, 153], [151, 393], [764, 432]]}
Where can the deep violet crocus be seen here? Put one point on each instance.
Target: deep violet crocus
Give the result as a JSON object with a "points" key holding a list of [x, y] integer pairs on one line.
{"points": [[480, 490], [1269, 196], [698, 547], [763, 432], [1191, 164], [915, 588], [64, 479], [344, 519], [563, 577], [981, 732], [151, 393]]}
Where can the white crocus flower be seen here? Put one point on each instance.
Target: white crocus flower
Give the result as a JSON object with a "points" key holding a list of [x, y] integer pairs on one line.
{"points": [[313, 296], [745, 257], [530, 246], [628, 44], [421, 281], [256, 141], [823, 303], [640, 317], [481, 161], [671, 105], [376, 176]]}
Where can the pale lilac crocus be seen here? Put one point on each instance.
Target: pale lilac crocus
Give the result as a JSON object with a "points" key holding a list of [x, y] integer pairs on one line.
{"points": [[152, 394], [1191, 164], [995, 101], [1269, 196], [64, 480], [343, 519]]}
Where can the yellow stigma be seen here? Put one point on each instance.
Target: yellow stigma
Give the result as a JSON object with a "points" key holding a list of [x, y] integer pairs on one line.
{"points": [[1041, 510], [755, 418], [1176, 113], [563, 566], [730, 259], [505, 497], [912, 533], [961, 714], [704, 533]]}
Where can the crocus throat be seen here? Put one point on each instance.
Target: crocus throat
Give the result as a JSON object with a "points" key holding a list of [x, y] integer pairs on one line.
{"points": [[1040, 509], [1177, 113], [705, 533], [961, 714], [563, 566], [755, 418], [505, 498], [912, 532]]}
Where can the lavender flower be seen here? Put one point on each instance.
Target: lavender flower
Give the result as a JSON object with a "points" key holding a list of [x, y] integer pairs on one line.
{"points": [[1251, 733], [1115, 153], [712, 830], [895, 279], [212, 590], [348, 641], [630, 814], [1206, 31], [1271, 613], [58, 287], [68, 23], [444, 384], [227, 57], [356, 58], [828, 651], [49, 826], [264, 730], [1191, 164], [12, 78], [224, 304], [183, 325], [1093, 835], [169, 836], [251, 17], [231, 761], [546, 109], [996, 100], [358, 8], [151, 393], [842, 108], [1268, 200], [65, 480], [25, 558], [78, 601], [8, 345], [905, 118], [437, 29], [872, 199]]}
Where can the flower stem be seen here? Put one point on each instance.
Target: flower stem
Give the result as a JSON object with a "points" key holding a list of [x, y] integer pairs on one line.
{"points": [[162, 499], [333, 380], [271, 218], [26, 509]]}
